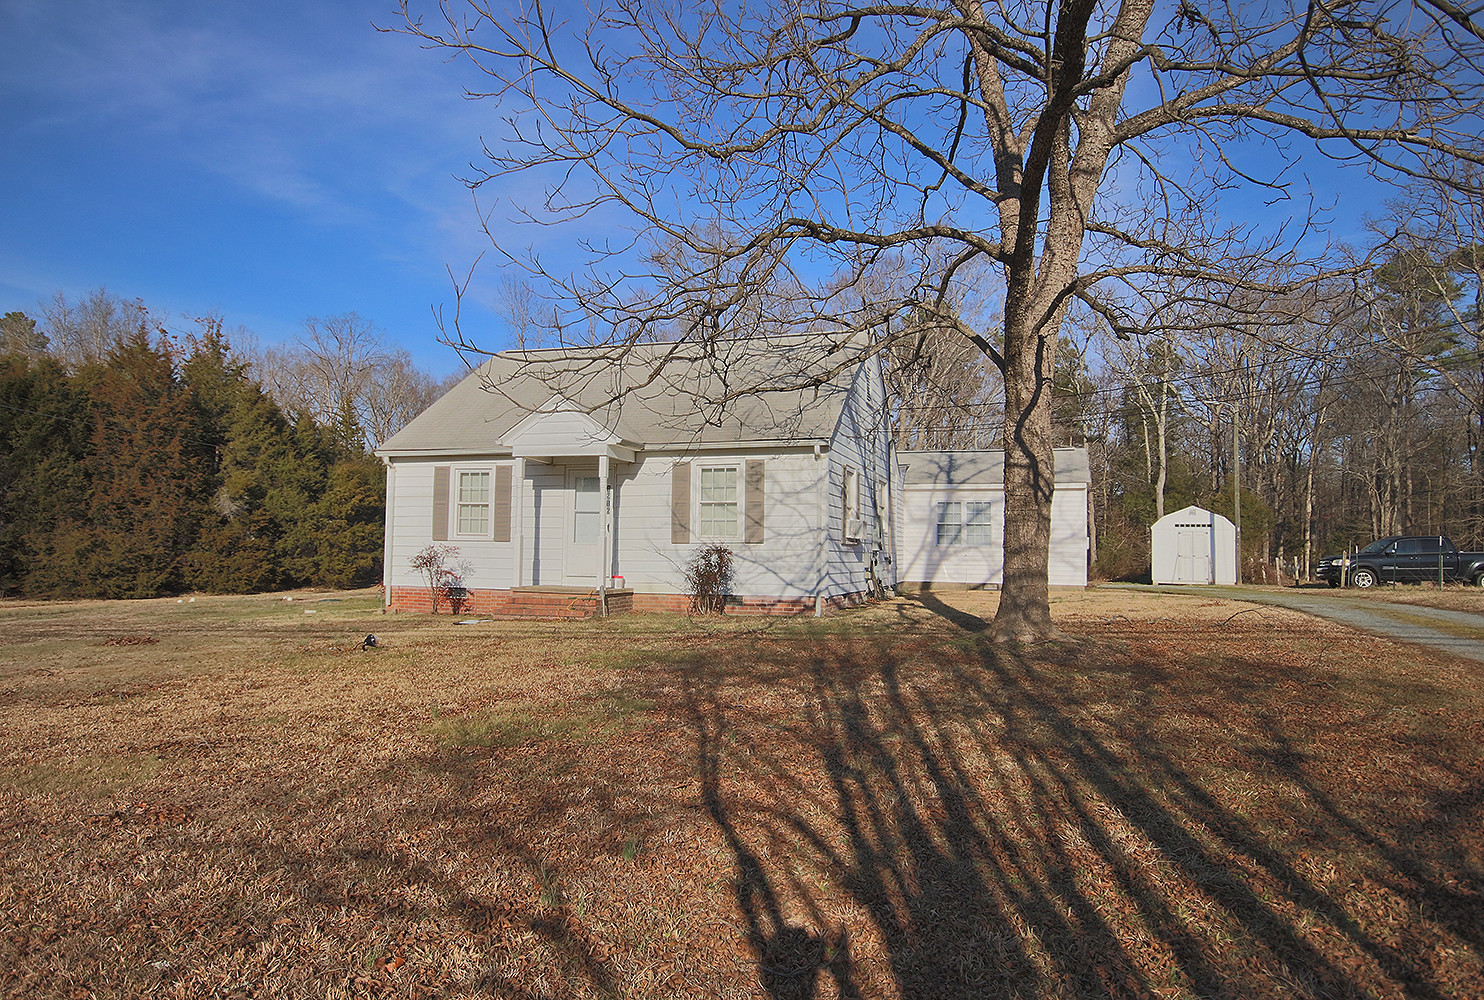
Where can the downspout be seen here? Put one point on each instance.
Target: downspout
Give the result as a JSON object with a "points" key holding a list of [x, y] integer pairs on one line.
{"points": [[821, 484]]}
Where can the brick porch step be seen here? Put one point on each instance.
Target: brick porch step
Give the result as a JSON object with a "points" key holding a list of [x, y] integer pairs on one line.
{"points": [[560, 603]]}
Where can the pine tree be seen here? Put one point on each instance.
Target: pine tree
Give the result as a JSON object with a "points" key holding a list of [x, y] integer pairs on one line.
{"points": [[42, 437], [149, 472]]}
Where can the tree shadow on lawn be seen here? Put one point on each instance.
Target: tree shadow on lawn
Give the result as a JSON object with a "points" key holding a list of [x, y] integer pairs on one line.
{"points": [[1006, 828], [946, 818]]}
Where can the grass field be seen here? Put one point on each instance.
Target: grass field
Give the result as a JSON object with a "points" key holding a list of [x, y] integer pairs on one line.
{"points": [[1186, 797]]}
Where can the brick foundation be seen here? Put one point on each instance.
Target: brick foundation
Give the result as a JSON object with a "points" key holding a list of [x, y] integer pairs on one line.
{"points": [[498, 602]]}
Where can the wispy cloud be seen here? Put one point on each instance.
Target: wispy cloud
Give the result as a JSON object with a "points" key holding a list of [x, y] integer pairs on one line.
{"points": [[299, 103]]}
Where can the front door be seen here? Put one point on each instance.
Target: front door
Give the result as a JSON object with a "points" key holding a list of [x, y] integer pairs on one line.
{"points": [[583, 528]]}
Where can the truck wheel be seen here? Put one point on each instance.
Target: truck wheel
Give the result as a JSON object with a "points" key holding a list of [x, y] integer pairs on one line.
{"points": [[1363, 578], [1333, 583]]}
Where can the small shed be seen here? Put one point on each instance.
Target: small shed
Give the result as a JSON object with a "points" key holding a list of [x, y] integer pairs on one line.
{"points": [[1193, 546]]}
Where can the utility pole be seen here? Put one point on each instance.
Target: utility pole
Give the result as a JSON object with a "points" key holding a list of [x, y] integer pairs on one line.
{"points": [[1237, 490]]}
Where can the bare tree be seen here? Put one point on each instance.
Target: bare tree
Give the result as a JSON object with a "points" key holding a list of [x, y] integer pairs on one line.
{"points": [[82, 333], [341, 372], [397, 392], [777, 142], [1147, 371]]}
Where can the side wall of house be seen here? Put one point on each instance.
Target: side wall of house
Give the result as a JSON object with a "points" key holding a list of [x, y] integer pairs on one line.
{"points": [[1067, 560], [859, 464], [781, 565], [963, 558]]}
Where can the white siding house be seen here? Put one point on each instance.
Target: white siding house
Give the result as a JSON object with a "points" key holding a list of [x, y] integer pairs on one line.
{"points": [[951, 525], [605, 469]]}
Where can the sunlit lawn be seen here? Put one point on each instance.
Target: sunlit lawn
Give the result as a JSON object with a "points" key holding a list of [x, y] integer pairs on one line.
{"points": [[228, 797]]}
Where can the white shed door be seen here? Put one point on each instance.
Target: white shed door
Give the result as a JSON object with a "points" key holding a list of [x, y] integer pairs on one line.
{"points": [[1192, 556]]}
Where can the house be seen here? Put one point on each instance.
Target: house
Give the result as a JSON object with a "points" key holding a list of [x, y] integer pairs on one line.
{"points": [[951, 518], [603, 470], [1193, 545]]}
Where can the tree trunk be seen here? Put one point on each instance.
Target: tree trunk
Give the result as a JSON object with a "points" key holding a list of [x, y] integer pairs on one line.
{"points": [[1025, 602]]}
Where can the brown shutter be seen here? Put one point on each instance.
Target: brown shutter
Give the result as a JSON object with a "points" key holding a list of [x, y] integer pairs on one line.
{"points": [[440, 503], [500, 506], [680, 503], [753, 503]]}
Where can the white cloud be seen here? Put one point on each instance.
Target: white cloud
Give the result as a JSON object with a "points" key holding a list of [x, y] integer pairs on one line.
{"points": [[300, 103]]}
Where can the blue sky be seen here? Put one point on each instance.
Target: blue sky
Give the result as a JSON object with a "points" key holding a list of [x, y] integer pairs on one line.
{"points": [[267, 160]]}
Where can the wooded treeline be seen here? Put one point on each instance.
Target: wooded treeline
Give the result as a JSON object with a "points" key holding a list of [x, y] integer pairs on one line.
{"points": [[1358, 407], [1348, 412], [139, 462]]}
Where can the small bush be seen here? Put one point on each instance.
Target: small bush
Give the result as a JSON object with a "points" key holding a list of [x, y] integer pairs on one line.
{"points": [[708, 579], [445, 572]]}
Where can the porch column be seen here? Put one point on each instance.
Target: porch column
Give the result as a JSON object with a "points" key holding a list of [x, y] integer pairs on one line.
{"points": [[517, 522], [604, 534]]}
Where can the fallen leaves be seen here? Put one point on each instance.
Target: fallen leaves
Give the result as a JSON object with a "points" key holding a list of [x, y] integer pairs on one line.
{"points": [[1176, 806]]}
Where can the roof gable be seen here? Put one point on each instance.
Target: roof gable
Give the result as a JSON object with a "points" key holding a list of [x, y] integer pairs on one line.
{"points": [[561, 427], [646, 395]]}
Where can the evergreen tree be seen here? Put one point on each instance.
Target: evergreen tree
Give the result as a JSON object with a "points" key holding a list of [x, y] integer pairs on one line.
{"points": [[43, 432], [18, 335], [345, 527], [148, 475]]}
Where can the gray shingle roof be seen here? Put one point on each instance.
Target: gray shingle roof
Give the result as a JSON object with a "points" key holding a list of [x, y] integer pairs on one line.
{"points": [[982, 468], [654, 395]]}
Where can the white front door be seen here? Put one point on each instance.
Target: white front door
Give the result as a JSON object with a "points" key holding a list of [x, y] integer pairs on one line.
{"points": [[584, 529]]}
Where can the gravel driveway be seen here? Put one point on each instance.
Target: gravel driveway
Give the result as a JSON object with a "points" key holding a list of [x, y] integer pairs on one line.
{"points": [[1460, 633]]}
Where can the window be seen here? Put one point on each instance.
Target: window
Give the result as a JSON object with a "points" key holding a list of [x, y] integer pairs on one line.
{"points": [[965, 523], [472, 509], [977, 523], [850, 503], [719, 501], [586, 512], [950, 522]]}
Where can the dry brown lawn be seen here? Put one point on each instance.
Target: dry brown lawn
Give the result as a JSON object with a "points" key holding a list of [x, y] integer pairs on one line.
{"points": [[1187, 797]]}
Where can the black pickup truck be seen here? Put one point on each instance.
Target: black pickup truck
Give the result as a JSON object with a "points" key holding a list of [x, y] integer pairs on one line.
{"points": [[1404, 559]]}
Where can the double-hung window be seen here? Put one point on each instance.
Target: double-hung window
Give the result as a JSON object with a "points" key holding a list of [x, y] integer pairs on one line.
{"points": [[965, 522], [472, 503], [950, 522], [718, 500], [977, 522]]}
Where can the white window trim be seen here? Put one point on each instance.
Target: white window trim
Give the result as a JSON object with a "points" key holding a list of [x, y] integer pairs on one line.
{"points": [[700, 504], [455, 522]]}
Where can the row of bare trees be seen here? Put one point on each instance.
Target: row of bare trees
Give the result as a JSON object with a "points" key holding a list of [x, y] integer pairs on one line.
{"points": [[1345, 410], [341, 371]]}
